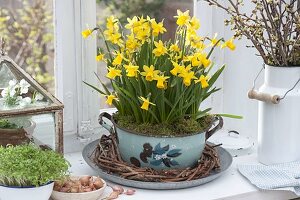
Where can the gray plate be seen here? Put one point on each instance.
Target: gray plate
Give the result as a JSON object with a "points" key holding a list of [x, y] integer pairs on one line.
{"points": [[225, 158]]}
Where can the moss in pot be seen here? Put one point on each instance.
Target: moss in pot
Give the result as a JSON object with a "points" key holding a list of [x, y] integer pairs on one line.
{"points": [[28, 171]]}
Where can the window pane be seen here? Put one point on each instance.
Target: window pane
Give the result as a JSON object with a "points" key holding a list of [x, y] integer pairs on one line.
{"points": [[159, 9], [27, 27]]}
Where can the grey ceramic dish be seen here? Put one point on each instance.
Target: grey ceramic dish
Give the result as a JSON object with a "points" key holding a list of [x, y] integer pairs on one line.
{"points": [[225, 159]]}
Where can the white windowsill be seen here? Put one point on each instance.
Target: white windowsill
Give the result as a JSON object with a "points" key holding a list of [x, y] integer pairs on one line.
{"points": [[230, 186]]}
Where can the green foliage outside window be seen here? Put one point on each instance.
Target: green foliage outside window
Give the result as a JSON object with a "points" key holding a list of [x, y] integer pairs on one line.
{"points": [[28, 32]]}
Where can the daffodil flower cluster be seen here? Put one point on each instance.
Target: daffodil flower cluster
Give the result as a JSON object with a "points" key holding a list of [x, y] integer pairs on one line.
{"points": [[16, 94], [153, 80]]}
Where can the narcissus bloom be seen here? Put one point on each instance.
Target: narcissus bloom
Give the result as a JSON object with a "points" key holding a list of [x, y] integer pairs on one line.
{"points": [[177, 68], [149, 72], [229, 44], [157, 28], [132, 23], [131, 70], [146, 103], [182, 18], [111, 23], [203, 81], [86, 33], [113, 73], [160, 48], [204, 60], [118, 59], [110, 99], [161, 81], [131, 43], [194, 23], [174, 47], [214, 40], [187, 76], [100, 57]]}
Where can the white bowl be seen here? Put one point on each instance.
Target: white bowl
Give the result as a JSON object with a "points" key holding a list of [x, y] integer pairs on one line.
{"points": [[26, 193], [93, 195]]}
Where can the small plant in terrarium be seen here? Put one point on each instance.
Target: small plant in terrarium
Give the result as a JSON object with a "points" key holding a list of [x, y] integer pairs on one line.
{"points": [[5, 124], [18, 94]]}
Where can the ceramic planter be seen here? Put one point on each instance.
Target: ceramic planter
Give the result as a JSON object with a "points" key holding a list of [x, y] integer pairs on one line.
{"points": [[26, 193], [159, 152], [278, 124]]}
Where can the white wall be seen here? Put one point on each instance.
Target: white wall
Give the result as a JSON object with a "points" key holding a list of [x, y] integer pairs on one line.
{"points": [[242, 67]]}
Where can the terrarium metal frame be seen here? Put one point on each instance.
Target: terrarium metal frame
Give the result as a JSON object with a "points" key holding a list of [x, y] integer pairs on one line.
{"points": [[55, 107]]}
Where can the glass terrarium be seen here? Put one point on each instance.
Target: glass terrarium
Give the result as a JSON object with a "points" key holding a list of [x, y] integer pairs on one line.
{"points": [[27, 111]]}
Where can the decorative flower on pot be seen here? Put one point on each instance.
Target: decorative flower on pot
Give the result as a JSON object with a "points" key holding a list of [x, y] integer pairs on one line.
{"points": [[158, 87], [273, 27], [27, 171]]}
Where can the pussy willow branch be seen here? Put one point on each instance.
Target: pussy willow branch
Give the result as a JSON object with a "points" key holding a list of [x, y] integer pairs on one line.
{"points": [[272, 26]]}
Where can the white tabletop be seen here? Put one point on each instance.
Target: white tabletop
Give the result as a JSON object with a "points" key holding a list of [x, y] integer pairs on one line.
{"points": [[231, 183]]}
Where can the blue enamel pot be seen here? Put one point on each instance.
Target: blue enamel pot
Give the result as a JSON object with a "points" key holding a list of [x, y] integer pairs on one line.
{"points": [[160, 152]]}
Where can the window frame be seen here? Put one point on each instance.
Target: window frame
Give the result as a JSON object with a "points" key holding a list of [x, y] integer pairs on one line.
{"points": [[74, 63]]}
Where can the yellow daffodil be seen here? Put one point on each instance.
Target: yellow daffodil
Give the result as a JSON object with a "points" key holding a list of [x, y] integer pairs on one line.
{"points": [[194, 23], [160, 48], [229, 44], [131, 70], [113, 36], [199, 59], [203, 80], [174, 47], [214, 40], [157, 28], [204, 60], [86, 33], [182, 18], [146, 103], [149, 72], [143, 31], [110, 99], [195, 59], [132, 23], [177, 68], [118, 59], [131, 43], [187, 75], [113, 73], [100, 57], [111, 23], [195, 41], [161, 81]]}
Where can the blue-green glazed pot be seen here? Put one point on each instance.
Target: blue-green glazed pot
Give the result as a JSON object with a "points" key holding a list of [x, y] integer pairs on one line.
{"points": [[159, 152]]}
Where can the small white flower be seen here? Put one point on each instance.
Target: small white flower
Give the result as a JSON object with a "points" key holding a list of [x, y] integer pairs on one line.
{"points": [[12, 83], [24, 85], [25, 101], [12, 92], [4, 92], [38, 97], [19, 98], [173, 147]]}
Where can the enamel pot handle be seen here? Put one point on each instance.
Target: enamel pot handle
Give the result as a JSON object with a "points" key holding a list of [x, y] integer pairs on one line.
{"points": [[103, 123], [216, 128]]}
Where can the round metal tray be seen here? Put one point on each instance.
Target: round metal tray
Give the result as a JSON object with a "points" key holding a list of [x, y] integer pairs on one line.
{"points": [[225, 160]]}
